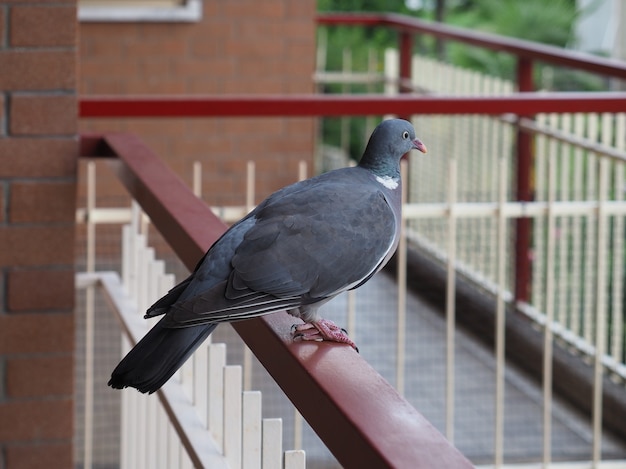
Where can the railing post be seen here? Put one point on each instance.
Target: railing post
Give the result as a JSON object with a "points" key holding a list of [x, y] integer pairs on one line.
{"points": [[525, 189], [406, 56]]}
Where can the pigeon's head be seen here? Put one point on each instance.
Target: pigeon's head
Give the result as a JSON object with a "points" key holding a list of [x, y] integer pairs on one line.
{"points": [[390, 140]]}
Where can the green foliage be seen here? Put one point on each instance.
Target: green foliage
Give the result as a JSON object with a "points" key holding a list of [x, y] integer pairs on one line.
{"points": [[381, 6], [547, 21]]}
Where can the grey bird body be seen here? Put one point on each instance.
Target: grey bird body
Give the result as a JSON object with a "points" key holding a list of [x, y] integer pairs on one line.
{"points": [[299, 248]]}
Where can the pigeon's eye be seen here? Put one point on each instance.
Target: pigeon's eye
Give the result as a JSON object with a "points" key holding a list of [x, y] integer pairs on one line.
{"points": [[405, 135]]}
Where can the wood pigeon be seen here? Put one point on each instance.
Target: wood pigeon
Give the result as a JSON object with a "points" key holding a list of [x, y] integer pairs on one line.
{"points": [[299, 248]]}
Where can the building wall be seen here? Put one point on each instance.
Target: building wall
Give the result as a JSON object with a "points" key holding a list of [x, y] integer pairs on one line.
{"points": [[239, 47], [38, 155]]}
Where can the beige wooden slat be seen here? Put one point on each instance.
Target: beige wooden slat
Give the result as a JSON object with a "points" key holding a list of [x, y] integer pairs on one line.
{"points": [[272, 443], [251, 430], [232, 415]]}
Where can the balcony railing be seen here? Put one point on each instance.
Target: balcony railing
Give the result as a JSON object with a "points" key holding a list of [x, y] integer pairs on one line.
{"points": [[359, 416], [510, 210], [527, 54]]}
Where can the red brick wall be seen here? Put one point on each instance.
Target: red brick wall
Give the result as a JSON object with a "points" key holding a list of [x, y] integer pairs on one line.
{"points": [[38, 153], [239, 47]]}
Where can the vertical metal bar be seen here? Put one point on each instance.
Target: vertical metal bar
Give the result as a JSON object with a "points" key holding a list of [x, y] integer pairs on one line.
{"points": [[302, 170], [197, 179], [556, 147], [541, 193], [250, 202], [600, 307], [401, 255], [250, 175], [351, 313], [617, 293], [406, 53], [298, 420], [548, 336], [500, 314], [406, 58], [450, 300], [488, 161], [346, 68], [619, 237], [577, 253], [479, 149], [565, 244], [372, 68], [524, 190], [90, 316], [320, 53], [590, 236], [134, 263]]}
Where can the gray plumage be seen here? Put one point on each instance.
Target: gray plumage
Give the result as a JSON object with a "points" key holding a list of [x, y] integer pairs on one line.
{"points": [[299, 248]]}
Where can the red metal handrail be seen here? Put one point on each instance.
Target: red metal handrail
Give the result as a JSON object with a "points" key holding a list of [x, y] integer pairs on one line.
{"points": [[345, 105], [358, 415], [520, 48]]}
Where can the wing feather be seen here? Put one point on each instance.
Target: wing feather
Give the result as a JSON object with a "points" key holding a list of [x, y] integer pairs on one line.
{"points": [[300, 246], [313, 247]]}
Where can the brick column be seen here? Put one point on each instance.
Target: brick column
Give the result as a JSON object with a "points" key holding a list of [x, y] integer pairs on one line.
{"points": [[38, 158]]}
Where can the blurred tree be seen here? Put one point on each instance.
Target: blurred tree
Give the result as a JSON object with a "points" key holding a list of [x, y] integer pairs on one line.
{"points": [[546, 21], [549, 22]]}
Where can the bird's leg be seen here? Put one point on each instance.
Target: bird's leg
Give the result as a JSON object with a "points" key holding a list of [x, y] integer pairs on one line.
{"points": [[322, 330]]}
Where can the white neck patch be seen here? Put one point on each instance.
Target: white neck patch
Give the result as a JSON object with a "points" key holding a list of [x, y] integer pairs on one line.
{"points": [[388, 182]]}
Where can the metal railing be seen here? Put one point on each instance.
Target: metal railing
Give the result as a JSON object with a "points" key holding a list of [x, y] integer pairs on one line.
{"points": [[508, 213], [352, 413], [526, 54], [450, 209]]}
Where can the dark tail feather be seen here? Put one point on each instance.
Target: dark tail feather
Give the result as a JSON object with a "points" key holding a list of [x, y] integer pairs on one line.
{"points": [[157, 356]]}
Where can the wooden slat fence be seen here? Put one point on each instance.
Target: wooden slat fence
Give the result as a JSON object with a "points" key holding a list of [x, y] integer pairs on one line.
{"points": [[202, 417]]}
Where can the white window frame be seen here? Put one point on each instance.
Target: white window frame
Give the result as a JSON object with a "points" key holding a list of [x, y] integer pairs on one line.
{"points": [[190, 11]]}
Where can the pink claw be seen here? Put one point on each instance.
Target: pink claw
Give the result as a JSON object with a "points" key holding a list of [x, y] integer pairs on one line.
{"points": [[322, 330]]}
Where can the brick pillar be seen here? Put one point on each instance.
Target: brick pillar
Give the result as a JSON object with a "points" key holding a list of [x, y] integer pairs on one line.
{"points": [[38, 158]]}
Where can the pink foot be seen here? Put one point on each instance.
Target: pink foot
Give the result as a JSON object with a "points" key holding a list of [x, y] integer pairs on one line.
{"points": [[322, 330]]}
